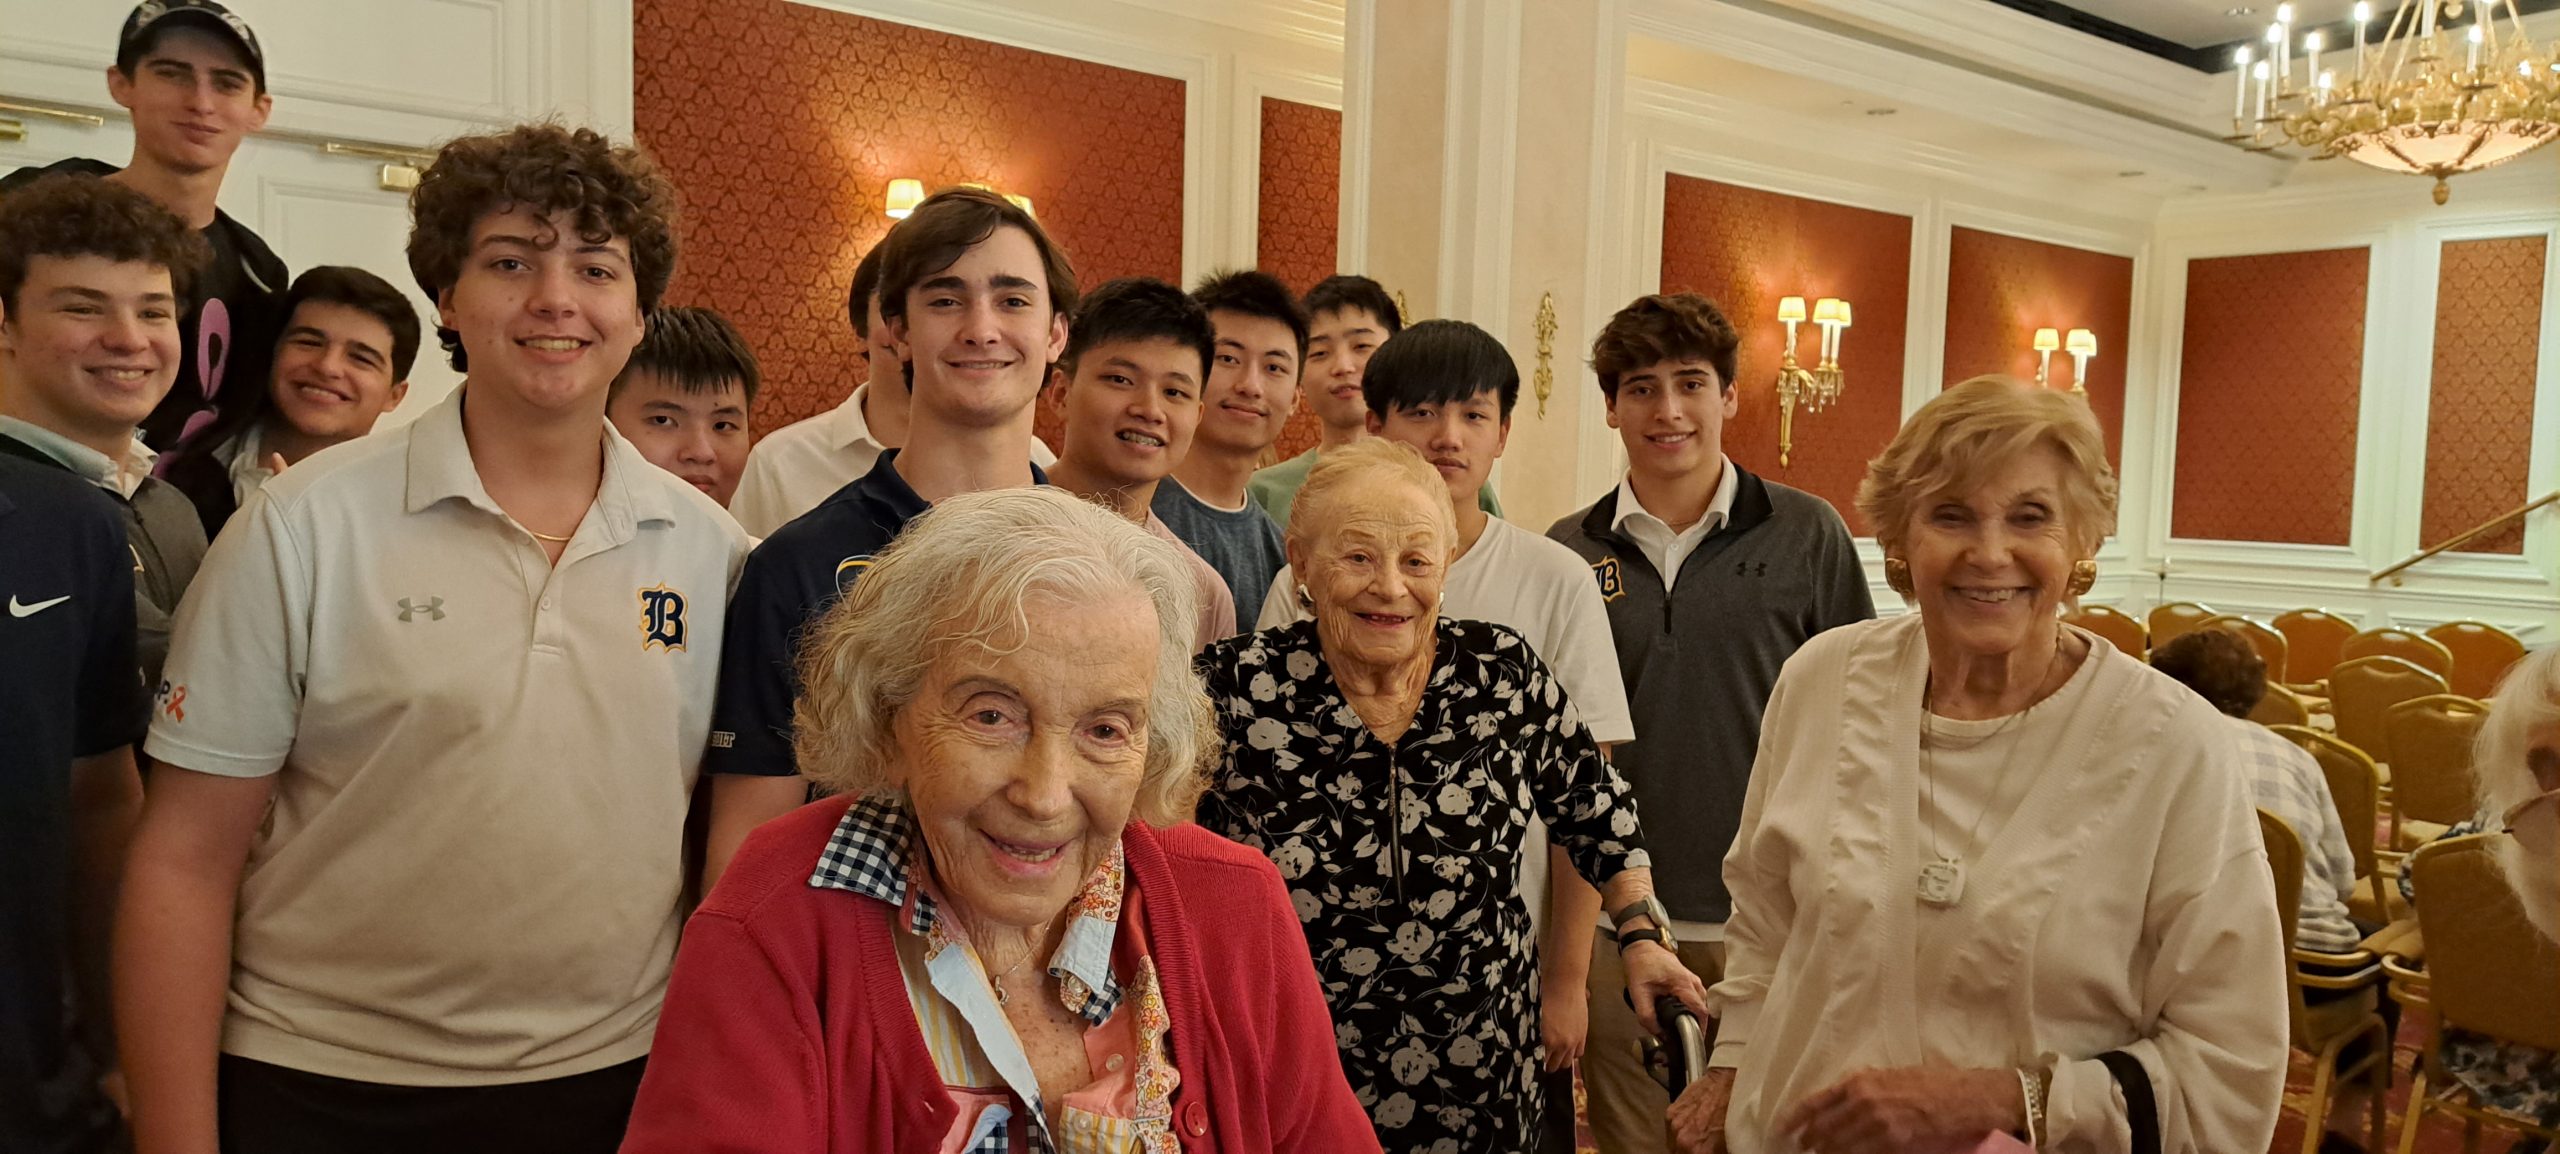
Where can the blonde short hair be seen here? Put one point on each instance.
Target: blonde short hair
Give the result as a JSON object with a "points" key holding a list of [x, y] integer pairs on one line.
{"points": [[965, 574], [1975, 427], [1360, 464], [2528, 698]]}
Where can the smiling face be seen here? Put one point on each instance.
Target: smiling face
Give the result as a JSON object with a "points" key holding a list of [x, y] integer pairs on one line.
{"points": [[192, 100], [546, 316], [1338, 348], [981, 334], [1374, 568], [1253, 383], [1131, 409], [1988, 566], [332, 376], [1671, 417], [89, 348], [698, 436], [1022, 767], [1461, 439]]}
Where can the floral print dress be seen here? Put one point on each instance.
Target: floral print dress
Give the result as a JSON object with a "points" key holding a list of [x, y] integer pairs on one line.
{"points": [[1403, 862]]}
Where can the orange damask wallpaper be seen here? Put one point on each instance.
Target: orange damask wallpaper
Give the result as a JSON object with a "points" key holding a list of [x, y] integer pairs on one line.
{"points": [[2480, 412], [1301, 215], [2001, 289], [1744, 249], [2269, 383], [782, 125]]}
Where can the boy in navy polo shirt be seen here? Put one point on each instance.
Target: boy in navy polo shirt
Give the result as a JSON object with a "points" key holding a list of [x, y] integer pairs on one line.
{"points": [[975, 298], [71, 704]]}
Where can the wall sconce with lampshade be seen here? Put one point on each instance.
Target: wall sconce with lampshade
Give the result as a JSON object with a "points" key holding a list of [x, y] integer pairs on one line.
{"points": [[1819, 386], [906, 192], [2080, 343]]}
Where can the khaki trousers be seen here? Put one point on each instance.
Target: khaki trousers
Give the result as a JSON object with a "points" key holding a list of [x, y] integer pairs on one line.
{"points": [[1629, 1110]]}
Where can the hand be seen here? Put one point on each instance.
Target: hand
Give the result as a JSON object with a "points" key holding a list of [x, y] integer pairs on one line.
{"points": [[275, 464], [1697, 1116], [1652, 972], [1564, 1022], [1919, 1108]]}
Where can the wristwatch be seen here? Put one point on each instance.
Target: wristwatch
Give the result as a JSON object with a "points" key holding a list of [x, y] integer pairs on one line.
{"points": [[1648, 907]]}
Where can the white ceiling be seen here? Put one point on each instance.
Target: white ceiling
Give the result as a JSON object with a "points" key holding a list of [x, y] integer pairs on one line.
{"points": [[2202, 23]]}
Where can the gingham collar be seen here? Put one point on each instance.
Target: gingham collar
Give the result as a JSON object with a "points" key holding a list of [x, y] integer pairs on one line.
{"points": [[874, 852]]}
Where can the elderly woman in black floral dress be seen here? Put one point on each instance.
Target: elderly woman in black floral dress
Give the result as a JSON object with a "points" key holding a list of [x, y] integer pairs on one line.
{"points": [[1389, 762]]}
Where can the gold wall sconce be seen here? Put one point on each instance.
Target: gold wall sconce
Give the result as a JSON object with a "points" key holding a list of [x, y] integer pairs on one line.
{"points": [[2080, 343], [1812, 388]]}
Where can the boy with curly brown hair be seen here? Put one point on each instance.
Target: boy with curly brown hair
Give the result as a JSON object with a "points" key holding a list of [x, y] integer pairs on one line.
{"points": [[410, 874]]}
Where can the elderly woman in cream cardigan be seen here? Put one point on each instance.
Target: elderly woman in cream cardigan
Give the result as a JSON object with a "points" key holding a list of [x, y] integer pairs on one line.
{"points": [[1996, 882]]}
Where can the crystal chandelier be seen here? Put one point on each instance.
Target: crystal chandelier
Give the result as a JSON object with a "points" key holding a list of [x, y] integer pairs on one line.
{"points": [[2436, 95]]}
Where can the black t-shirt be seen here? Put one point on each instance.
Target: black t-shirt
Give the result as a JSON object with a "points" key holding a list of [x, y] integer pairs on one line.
{"points": [[69, 688], [226, 338]]}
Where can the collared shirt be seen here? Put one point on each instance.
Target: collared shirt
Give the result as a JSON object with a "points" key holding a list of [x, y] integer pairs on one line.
{"points": [[120, 477], [482, 760], [2285, 780], [791, 578], [1663, 545], [1129, 1108], [243, 458], [794, 468]]}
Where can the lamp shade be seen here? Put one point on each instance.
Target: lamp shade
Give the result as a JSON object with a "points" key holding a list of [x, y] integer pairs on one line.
{"points": [[1021, 202], [1839, 310], [1790, 309], [905, 193], [2082, 343], [2048, 340]]}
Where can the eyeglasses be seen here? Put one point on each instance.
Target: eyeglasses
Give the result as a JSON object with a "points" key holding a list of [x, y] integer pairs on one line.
{"points": [[2518, 810]]}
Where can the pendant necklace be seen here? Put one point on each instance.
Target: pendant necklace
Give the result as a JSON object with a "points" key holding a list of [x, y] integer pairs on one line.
{"points": [[1942, 877], [996, 982]]}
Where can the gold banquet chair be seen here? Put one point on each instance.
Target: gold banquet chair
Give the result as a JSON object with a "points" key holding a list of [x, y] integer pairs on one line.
{"points": [[2281, 706], [2362, 689], [2355, 789], [2269, 643], [2313, 640], [2481, 655], [2486, 971], [2120, 628], [2325, 1029], [2430, 741], [2415, 648], [2170, 619]]}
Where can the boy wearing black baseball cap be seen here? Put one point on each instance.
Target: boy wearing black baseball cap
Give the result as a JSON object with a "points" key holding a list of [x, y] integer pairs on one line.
{"points": [[195, 80]]}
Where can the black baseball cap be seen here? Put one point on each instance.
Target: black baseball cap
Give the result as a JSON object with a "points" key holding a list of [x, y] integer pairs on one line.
{"points": [[152, 17]]}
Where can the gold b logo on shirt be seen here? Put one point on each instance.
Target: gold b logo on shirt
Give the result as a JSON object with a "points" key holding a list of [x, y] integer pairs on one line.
{"points": [[661, 618], [1613, 585]]}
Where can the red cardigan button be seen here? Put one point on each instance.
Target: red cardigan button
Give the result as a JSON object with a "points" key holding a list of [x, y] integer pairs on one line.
{"points": [[1195, 1118]]}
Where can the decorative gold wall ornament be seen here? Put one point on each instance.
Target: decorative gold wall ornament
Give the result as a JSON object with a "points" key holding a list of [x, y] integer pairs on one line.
{"points": [[1797, 385], [1544, 380], [2424, 99], [1404, 312]]}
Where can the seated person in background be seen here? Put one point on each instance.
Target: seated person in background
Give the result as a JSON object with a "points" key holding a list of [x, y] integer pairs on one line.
{"points": [[343, 361], [684, 398], [1002, 933], [1253, 382], [93, 276], [1136, 354], [2285, 780], [1348, 317]]}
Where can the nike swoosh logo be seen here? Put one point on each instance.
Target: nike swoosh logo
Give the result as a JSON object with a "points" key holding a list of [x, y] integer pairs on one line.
{"points": [[18, 608]]}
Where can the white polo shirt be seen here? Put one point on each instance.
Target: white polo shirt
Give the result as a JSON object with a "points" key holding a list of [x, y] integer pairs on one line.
{"points": [[794, 467], [472, 868]]}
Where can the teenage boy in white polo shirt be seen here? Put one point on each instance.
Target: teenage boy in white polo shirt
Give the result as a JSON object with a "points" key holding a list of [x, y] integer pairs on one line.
{"points": [[975, 298], [410, 874]]}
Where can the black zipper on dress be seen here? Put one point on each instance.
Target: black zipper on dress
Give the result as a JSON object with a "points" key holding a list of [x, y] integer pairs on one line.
{"points": [[1395, 822]]}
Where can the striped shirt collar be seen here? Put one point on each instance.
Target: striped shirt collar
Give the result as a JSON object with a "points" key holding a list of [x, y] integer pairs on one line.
{"points": [[874, 853]]}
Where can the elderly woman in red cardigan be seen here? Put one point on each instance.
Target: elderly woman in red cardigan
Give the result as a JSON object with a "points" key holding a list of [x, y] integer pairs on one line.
{"points": [[998, 936]]}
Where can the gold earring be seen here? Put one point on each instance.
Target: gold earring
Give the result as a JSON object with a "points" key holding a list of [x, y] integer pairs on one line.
{"points": [[1897, 575], [2084, 576]]}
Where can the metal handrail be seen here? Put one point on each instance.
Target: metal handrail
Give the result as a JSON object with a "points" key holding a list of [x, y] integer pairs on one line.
{"points": [[2496, 522]]}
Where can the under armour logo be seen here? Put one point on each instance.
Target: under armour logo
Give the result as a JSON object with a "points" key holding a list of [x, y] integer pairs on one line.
{"points": [[1750, 569], [434, 609]]}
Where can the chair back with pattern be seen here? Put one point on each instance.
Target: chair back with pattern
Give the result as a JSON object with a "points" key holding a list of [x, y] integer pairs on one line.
{"points": [[2488, 970], [2170, 619], [2430, 739], [2313, 639], [2120, 629], [2361, 690], [2481, 655], [2281, 706], [2355, 787], [2269, 643], [2415, 648]]}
